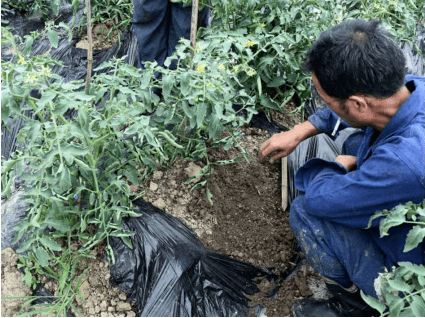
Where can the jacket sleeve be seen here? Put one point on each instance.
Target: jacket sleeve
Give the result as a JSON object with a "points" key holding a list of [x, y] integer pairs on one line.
{"points": [[325, 121], [351, 198]]}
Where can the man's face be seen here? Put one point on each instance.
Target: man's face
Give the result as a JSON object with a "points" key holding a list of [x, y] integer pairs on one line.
{"points": [[337, 105]]}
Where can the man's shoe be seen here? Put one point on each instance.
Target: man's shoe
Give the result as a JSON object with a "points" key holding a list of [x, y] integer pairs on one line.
{"points": [[344, 303]]}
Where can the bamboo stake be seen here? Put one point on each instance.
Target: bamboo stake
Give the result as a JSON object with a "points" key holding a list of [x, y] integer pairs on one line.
{"points": [[194, 22], [90, 47], [284, 183]]}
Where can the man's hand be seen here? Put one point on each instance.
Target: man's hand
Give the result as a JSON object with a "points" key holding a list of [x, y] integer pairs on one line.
{"points": [[349, 162], [285, 141]]}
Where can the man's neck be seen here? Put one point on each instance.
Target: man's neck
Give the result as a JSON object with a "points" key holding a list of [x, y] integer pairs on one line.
{"points": [[385, 108]]}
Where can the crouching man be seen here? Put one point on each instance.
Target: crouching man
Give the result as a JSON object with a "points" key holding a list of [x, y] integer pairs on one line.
{"points": [[359, 73]]}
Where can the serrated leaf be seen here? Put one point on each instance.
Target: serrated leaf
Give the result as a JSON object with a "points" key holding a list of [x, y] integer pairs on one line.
{"points": [[132, 174], [53, 38], [27, 279], [399, 284], [46, 241], [392, 220], [415, 236], [42, 256], [418, 306], [417, 269], [25, 245], [57, 225], [395, 304]]}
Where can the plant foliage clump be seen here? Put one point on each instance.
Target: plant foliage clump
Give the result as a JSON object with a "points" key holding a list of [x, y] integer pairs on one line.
{"points": [[402, 290]]}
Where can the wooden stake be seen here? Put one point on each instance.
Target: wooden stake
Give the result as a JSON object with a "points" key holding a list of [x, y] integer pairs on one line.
{"points": [[194, 22], [284, 183], [90, 48]]}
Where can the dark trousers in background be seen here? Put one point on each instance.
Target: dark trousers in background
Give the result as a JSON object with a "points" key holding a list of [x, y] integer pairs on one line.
{"points": [[159, 24]]}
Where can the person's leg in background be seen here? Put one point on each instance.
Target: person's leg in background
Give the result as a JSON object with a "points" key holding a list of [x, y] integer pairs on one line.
{"points": [[343, 255], [151, 24], [180, 25]]}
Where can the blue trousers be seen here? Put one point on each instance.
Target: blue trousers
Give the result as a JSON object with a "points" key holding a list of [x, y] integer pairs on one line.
{"points": [[158, 25], [343, 254]]}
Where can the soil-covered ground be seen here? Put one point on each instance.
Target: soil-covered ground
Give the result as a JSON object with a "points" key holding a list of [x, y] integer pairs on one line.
{"points": [[245, 221]]}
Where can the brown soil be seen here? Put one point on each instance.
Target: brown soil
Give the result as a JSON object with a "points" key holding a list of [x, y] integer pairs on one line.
{"points": [[99, 35], [245, 221]]}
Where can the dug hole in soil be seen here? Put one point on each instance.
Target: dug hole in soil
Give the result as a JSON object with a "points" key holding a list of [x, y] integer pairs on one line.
{"points": [[245, 221]]}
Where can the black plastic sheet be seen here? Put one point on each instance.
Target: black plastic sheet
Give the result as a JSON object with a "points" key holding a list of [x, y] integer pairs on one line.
{"points": [[170, 273]]}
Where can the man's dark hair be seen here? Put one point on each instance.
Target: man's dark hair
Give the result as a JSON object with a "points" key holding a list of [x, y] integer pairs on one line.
{"points": [[357, 57]]}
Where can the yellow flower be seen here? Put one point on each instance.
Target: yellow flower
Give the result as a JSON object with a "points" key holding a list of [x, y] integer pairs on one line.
{"points": [[198, 48], [201, 68], [376, 5], [251, 72], [249, 43], [263, 25], [22, 60], [221, 67], [236, 68], [45, 71], [31, 78]]}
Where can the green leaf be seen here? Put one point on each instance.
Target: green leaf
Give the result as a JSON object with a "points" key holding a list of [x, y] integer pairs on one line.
{"points": [[418, 306], [395, 304], [75, 151], [167, 84], [209, 196], [92, 198], [28, 44], [42, 256], [47, 97], [417, 269], [415, 236], [57, 225], [127, 242], [185, 83], [189, 111], [25, 245], [399, 284], [373, 302], [201, 111], [46, 241], [27, 279], [65, 180], [277, 82], [392, 220], [132, 174], [53, 38], [82, 96]]}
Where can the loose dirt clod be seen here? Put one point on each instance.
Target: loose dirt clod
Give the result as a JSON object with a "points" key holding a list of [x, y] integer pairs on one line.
{"points": [[11, 286]]}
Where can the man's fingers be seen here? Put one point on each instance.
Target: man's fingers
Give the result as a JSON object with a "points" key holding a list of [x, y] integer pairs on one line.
{"points": [[278, 156]]}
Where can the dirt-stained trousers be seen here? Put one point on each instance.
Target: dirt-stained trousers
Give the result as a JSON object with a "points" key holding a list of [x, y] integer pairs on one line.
{"points": [[338, 252]]}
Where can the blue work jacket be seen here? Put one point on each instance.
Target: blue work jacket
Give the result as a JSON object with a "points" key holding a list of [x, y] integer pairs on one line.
{"points": [[390, 171]]}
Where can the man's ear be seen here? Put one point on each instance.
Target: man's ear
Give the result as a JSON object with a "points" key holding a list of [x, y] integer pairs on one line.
{"points": [[357, 103]]}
